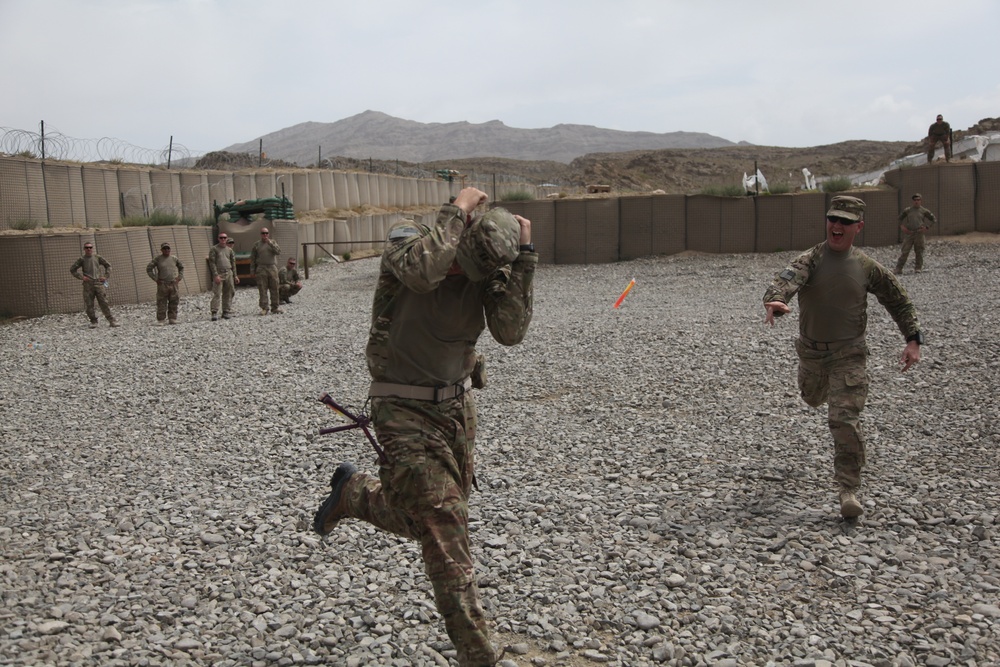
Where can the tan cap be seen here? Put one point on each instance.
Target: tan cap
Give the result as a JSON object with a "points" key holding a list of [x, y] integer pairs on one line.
{"points": [[844, 206], [916, 195], [164, 246]]}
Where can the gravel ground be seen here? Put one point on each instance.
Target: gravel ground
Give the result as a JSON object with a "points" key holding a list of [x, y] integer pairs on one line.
{"points": [[652, 489]]}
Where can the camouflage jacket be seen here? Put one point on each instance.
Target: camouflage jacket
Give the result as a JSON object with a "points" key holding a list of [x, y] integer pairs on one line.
{"points": [[221, 261], [427, 317], [91, 267], [939, 130], [847, 300], [288, 276], [264, 253], [915, 217], [167, 269]]}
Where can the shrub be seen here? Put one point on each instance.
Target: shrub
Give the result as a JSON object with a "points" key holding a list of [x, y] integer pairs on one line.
{"points": [[837, 184], [723, 191], [780, 189], [24, 224], [347, 256], [517, 195]]}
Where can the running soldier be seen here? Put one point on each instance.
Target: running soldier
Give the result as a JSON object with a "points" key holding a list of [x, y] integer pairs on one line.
{"points": [[438, 288], [833, 280]]}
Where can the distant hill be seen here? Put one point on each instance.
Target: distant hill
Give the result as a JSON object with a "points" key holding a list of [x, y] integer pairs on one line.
{"points": [[382, 137]]}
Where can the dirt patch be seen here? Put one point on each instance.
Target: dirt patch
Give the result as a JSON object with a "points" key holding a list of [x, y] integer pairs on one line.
{"points": [[972, 237]]}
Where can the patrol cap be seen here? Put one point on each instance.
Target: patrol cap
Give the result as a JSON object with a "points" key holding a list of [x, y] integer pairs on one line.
{"points": [[844, 206], [164, 246], [488, 243], [916, 195]]}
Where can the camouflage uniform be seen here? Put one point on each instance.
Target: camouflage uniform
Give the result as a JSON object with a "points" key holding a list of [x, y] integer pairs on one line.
{"points": [[288, 279], [915, 218], [222, 263], [98, 270], [426, 318], [167, 271], [939, 132], [264, 266], [832, 289]]}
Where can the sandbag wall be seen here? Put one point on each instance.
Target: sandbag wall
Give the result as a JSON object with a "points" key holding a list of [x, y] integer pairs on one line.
{"points": [[342, 236], [35, 194]]}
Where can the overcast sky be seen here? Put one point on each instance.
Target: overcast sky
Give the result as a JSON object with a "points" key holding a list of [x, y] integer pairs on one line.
{"points": [[212, 73]]}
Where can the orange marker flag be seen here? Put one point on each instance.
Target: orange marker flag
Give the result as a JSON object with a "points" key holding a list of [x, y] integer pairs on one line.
{"points": [[631, 284]]}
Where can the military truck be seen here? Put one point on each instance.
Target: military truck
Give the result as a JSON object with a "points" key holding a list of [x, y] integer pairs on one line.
{"points": [[242, 221]]}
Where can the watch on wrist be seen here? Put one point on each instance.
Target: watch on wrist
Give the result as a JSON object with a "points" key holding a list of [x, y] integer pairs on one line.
{"points": [[918, 337], [527, 247]]}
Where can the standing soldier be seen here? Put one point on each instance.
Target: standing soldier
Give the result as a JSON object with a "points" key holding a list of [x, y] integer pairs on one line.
{"points": [[915, 220], [264, 269], [168, 272], [95, 272], [289, 281], [438, 288], [833, 280], [939, 131], [222, 264]]}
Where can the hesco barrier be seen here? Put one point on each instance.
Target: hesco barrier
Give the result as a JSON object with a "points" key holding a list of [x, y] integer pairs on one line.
{"points": [[965, 197]]}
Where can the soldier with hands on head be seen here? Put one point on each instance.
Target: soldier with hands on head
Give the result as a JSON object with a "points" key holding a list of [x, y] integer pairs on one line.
{"points": [[438, 288], [167, 271], [939, 132], [222, 265], [95, 272], [833, 280], [914, 221], [264, 269], [289, 281]]}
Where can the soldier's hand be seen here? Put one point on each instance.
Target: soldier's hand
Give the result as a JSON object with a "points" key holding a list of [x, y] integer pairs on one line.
{"points": [[525, 229], [469, 198], [911, 355], [775, 309], [217, 279], [237, 280]]}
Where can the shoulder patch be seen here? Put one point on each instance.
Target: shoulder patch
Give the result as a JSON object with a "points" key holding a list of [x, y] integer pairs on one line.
{"points": [[787, 274], [402, 232]]}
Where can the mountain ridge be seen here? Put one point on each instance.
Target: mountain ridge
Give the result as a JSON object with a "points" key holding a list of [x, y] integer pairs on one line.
{"points": [[376, 135]]}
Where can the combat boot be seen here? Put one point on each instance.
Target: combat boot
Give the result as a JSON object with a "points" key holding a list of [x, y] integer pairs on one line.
{"points": [[215, 318], [850, 508], [333, 508]]}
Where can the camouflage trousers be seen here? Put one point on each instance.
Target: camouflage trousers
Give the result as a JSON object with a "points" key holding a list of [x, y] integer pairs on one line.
{"points": [[932, 143], [839, 378], [95, 291], [917, 243], [422, 493], [167, 300], [223, 291], [267, 283], [288, 290]]}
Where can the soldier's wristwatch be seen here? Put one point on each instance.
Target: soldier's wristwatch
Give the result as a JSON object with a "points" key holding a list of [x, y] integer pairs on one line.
{"points": [[918, 337], [527, 247]]}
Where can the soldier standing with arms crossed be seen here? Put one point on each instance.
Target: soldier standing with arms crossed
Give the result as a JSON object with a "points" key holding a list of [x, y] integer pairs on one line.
{"points": [[222, 264], [438, 288], [264, 269], [95, 272], [915, 221], [168, 272], [833, 280]]}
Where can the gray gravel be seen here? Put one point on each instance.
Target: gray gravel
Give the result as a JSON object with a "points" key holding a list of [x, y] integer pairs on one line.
{"points": [[652, 490]]}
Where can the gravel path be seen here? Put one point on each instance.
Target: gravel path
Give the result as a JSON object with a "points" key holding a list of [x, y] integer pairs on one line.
{"points": [[652, 489]]}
